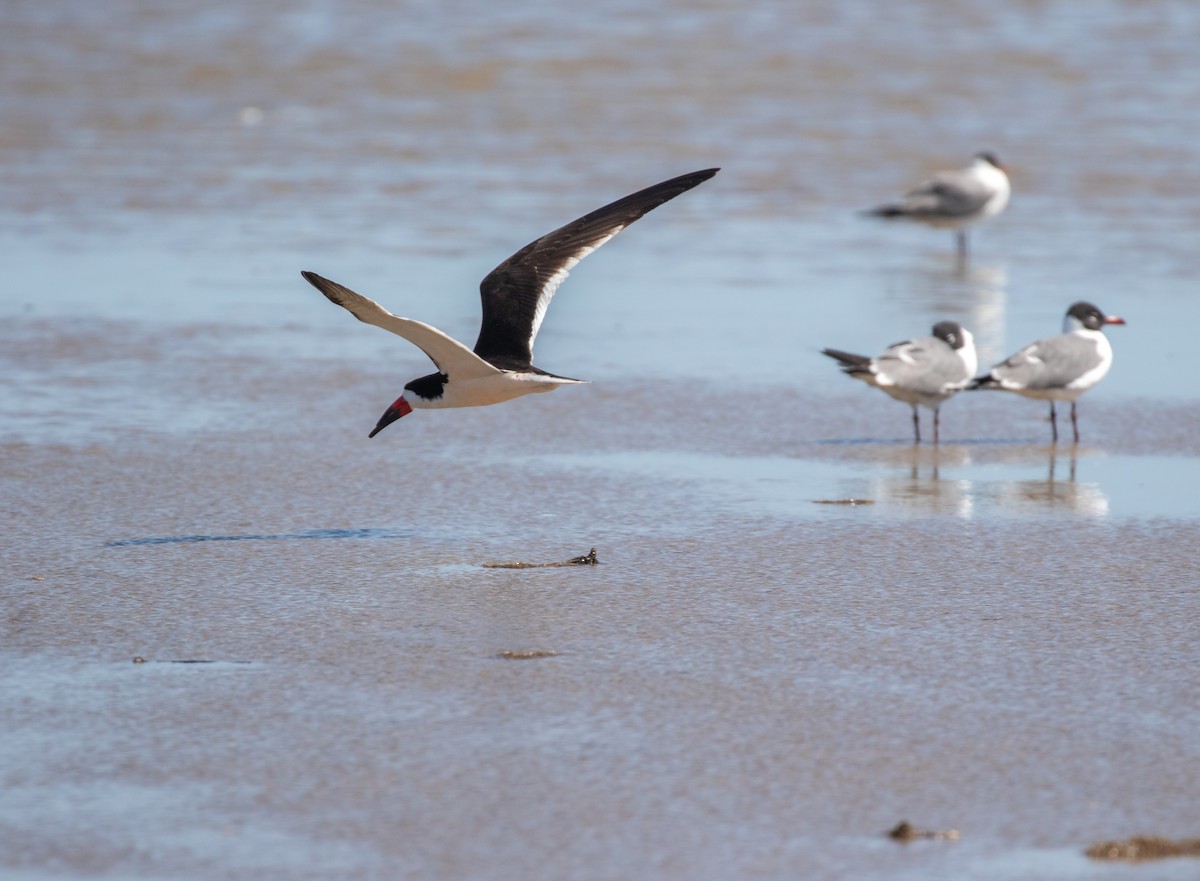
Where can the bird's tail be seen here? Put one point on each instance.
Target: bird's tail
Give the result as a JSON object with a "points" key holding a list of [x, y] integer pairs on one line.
{"points": [[850, 362], [887, 211], [987, 381]]}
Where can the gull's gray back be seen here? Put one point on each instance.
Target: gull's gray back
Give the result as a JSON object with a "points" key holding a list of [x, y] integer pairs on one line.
{"points": [[926, 366], [1051, 363], [948, 194]]}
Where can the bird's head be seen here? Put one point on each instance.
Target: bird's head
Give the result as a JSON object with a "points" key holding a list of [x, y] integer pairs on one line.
{"points": [[952, 334], [400, 407], [991, 159], [1085, 315]]}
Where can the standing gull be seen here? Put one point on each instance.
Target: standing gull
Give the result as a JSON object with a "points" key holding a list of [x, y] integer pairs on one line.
{"points": [[515, 296], [926, 371], [956, 199], [1060, 368]]}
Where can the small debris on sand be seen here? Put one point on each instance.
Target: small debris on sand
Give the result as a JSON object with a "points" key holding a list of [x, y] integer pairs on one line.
{"points": [[588, 559], [843, 501], [527, 655], [1144, 847], [906, 831], [138, 659]]}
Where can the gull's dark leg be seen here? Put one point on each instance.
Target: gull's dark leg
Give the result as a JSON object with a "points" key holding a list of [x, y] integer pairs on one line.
{"points": [[961, 236], [936, 412], [916, 426], [1053, 424], [1074, 422]]}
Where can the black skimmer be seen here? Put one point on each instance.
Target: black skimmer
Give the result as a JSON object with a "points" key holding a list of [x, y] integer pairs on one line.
{"points": [[956, 199], [1060, 368], [515, 296], [927, 371]]}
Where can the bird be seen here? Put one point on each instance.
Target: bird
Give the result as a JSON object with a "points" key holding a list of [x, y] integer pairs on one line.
{"points": [[926, 371], [515, 296], [1060, 368], [956, 199]]}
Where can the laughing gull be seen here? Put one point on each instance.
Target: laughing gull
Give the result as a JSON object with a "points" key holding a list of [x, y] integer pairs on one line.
{"points": [[956, 199], [1060, 368], [926, 371], [515, 296]]}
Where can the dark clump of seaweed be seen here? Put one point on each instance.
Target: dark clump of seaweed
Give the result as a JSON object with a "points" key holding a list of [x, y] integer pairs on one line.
{"points": [[906, 831], [526, 654], [588, 559]]}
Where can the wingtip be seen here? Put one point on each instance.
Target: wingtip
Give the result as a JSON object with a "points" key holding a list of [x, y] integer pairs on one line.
{"points": [[330, 290], [672, 188], [692, 178], [322, 284]]}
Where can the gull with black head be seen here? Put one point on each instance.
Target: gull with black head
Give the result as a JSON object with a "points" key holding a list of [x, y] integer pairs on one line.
{"points": [[1059, 368], [955, 199], [926, 371]]}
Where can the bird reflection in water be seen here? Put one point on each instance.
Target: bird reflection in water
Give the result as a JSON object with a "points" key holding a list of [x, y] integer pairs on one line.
{"points": [[918, 483], [1059, 490], [922, 479]]}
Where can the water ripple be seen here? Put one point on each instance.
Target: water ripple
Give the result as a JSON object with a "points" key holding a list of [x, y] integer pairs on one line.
{"points": [[284, 536]]}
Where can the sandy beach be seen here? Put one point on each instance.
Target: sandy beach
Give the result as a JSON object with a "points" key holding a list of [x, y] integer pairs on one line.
{"points": [[239, 640]]}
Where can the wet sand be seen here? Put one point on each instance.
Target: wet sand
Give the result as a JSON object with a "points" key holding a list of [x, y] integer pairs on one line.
{"points": [[738, 687], [332, 682]]}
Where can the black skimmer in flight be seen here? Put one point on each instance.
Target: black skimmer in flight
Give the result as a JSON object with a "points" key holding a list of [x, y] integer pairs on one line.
{"points": [[927, 371], [1060, 368], [515, 296], [956, 199]]}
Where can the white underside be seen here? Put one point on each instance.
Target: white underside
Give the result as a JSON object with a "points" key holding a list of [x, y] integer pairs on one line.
{"points": [[1054, 394], [493, 389], [908, 396], [990, 209], [1094, 375], [1067, 393]]}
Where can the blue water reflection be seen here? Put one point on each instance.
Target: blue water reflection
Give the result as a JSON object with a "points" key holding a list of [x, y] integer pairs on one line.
{"points": [[964, 481]]}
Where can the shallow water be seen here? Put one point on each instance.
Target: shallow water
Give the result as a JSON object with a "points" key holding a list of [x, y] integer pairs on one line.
{"points": [[758, 680]]}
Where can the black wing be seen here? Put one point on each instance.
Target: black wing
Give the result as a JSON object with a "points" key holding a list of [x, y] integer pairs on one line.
{"points": [[516, 293]]}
